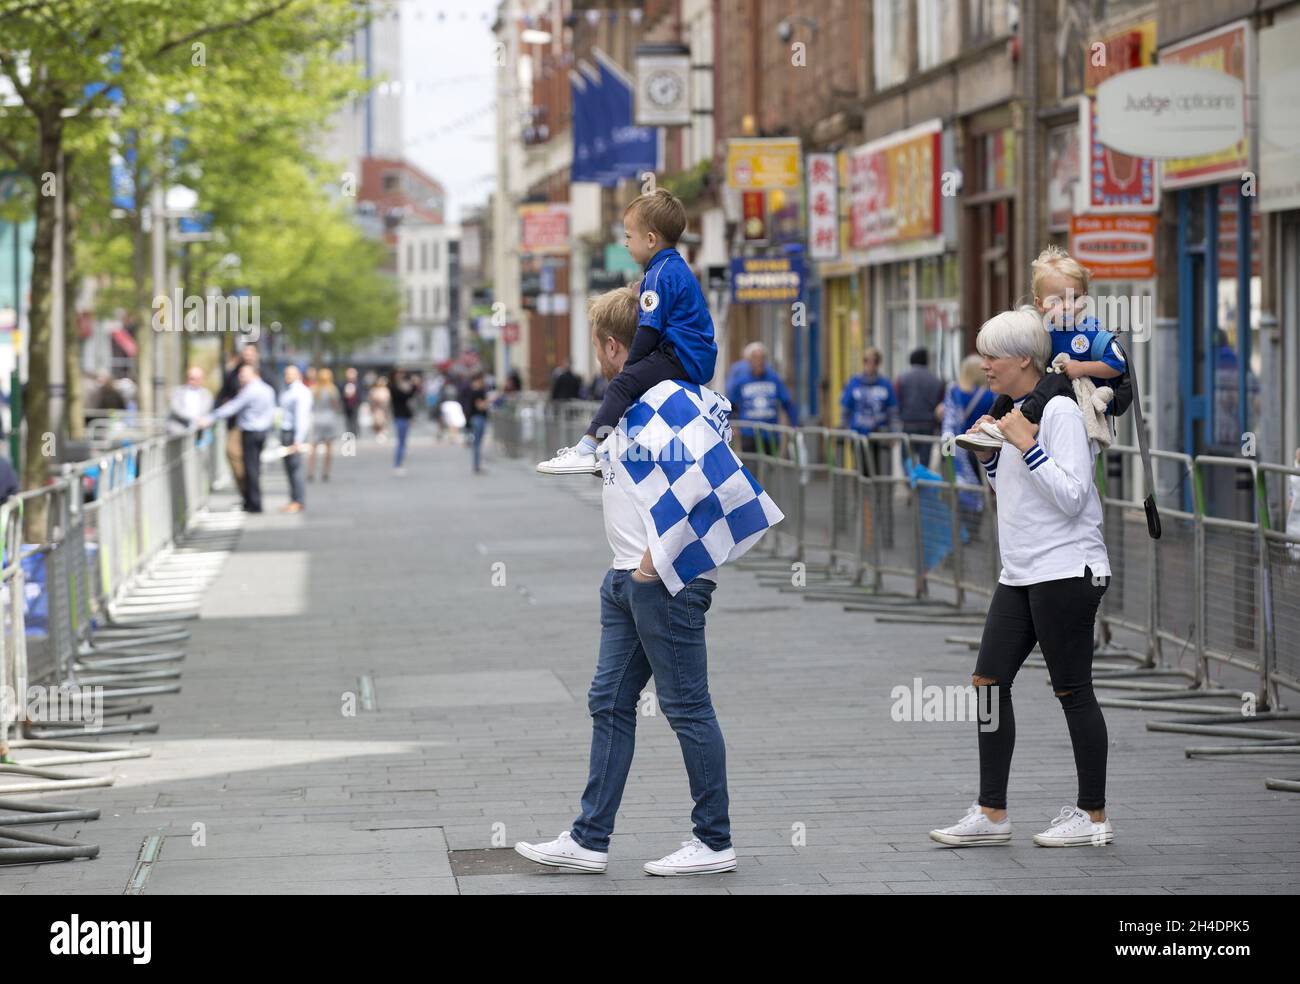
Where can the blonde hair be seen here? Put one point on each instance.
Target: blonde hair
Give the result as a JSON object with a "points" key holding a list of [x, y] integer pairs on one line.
{"points": [[660, 212], [971, 373], [324, 377], [614, 315], [1016, 334], [1056, 260]]}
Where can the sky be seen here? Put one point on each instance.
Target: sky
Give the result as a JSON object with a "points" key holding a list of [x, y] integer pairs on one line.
{"points": [[449, 88]]}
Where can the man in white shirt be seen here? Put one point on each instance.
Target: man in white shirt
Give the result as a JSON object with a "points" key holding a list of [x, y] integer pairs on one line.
{"points": [[295, 425], [645, 631], [189, 403]]}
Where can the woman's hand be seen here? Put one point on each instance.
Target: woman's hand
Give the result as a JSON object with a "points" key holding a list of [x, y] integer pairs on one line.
{"points": [[984, 457], [1017, 430]]}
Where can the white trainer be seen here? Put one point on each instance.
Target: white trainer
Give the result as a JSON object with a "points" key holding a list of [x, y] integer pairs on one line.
{"points": [[576, 460], [990, 439], [694, 858], [975, 829], [565, 852], [1074, 828]]}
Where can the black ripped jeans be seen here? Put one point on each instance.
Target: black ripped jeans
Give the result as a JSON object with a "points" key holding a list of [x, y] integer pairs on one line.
{"points": [[1059, 616]]}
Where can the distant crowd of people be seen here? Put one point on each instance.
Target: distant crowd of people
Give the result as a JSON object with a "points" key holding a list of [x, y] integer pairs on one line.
{"points": [[314, 411]]}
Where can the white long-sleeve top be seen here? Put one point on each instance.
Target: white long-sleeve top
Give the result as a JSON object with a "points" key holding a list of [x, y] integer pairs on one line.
{"points": [[1049, 512]]}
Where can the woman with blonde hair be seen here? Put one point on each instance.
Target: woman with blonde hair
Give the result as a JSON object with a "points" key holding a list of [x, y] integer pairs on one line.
{"points": [[1055, 570], [380, 400], [967, 401], [326, 422]]}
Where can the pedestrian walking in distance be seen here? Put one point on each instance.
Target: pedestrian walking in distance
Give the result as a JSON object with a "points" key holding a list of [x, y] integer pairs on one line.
{"points": [[253, 409], [326, 423]]}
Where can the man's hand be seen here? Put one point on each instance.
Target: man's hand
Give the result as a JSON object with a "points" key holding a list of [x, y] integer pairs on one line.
{"points": [[1018, 431], [647, 564]]}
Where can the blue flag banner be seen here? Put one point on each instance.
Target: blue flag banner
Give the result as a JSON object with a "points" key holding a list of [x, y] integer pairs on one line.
{"points": [[633, 148], [581, 169], [701, 506]]}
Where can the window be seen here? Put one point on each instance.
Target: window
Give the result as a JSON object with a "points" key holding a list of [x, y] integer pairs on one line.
{"points": [[410, 257], [437, 301], [409, 301], [891, 34], [435, 254], [938, 32], [424, 302], [424, 255], [990, 18]]}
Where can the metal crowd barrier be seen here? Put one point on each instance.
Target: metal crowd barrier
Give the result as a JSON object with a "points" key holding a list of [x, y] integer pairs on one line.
{"points": [[1218, 590], [528, 426], [91, 534]]}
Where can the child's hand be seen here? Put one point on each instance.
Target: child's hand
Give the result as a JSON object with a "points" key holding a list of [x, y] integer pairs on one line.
{"points": [[1018, 431], [1074, 369]]}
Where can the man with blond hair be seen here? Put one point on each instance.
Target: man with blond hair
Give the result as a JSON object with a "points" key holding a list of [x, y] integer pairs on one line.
{"points": [[644, 631]]}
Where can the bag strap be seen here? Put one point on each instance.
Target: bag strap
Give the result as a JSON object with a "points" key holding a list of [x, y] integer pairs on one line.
{"points": [[1139, 428]]}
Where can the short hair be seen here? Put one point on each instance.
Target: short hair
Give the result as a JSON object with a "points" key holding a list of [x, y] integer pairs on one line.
{"points": [[615, 315], [753, 347], [1016, 334], [660, 212], [919, 357], [1056, 260], [875, 353], [971, 373]]}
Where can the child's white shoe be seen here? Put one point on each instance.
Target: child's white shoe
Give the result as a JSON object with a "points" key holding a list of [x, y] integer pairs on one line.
{"points": [[576, 460], [989, 439]]}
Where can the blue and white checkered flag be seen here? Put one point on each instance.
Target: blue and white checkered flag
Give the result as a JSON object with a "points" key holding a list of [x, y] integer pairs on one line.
{"points": [[700, 505]]}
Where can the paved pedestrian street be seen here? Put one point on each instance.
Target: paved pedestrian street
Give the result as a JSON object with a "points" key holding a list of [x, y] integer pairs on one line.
{"points": [[385, 692]]}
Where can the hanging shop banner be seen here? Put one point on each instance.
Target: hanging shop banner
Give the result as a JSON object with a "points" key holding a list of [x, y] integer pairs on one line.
{"points": [[1215, 107], [894, 188], [1117, 182], [823, 207], [1115, 247], [766, 279], [544, 228], [1279, 117], [754, 164], [1228, 233]]}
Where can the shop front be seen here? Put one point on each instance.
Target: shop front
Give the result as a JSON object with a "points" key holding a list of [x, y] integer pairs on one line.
{"points": [[896, 228], [1279, 201]]}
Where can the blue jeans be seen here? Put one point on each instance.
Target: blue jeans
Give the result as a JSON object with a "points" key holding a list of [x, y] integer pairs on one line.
{"points": [[645, 631], [403, 424], [477, 425]]}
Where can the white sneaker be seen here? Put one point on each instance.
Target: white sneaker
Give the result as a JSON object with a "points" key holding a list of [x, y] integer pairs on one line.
{"points": [[399, 472], [694, 858], [565, 852], [990, 439], [576, 460], [975, 829], [1074, 828]]}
